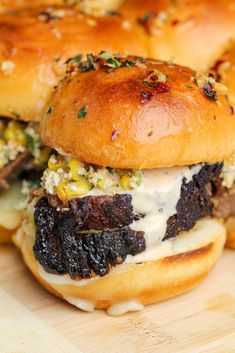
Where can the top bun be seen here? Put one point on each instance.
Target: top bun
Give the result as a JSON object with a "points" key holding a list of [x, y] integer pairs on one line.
{"points": [[143, 114], [192, 33], [101, 5], [224, 70], [35, 43], [8, 5]]}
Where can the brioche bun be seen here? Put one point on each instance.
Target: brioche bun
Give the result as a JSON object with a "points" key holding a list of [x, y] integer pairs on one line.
{"points": [[174, 128], [230, 227], [8, 5], [6, 235], [192, 33], [34, 45], [225, 71], [144, 283]]}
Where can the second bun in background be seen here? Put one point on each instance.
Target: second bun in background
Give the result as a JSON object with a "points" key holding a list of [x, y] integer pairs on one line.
{"points": [[191, 33], [36, 43]]}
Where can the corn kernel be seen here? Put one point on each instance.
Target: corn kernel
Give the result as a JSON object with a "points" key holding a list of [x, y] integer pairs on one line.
{"points": [[56, 162], [125, 182], [61, 191], [74, 164], [67, 191], [14, 132]]}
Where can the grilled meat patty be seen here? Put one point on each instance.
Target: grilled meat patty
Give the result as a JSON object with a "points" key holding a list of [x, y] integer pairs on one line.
{"points": [[92, 234]]}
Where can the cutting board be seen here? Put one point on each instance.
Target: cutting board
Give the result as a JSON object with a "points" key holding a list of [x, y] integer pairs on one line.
{"points": [[32, 320]]}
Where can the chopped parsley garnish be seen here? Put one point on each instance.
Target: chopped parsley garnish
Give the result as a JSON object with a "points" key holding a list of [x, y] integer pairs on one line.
{"points": [[82, 112]]}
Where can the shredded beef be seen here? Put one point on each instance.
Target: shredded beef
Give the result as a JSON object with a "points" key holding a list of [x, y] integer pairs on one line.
{"points": [[12, 170], [102, 212], [92, 234]]}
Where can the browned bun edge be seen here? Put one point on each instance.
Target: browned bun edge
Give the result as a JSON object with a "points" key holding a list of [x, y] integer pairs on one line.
{"points": [[6, 235], [148, 282], [230, 227], [124, 129]]}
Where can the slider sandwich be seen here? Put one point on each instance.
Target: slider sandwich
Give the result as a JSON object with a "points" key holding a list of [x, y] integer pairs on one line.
{"points": [[125, 213], [30, 66]]}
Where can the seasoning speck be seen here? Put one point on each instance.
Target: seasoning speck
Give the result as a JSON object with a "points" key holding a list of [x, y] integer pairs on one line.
{"points": [[231, 110], [50, 110], [115, 134], [150, 133], [82, 112], [210, 91], [145, 97]]}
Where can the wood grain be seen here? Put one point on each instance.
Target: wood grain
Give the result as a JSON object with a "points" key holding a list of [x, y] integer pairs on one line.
{"points": [[201, 321]]}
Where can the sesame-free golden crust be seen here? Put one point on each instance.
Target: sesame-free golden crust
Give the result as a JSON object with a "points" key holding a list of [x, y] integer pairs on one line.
{"points": [[147, 283], [6, 235], [224, 68], [9, 5], [230, 227], [178, 127], [192, 33], [34, 47]]}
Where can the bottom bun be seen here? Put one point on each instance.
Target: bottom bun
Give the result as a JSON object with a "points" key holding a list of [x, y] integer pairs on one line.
{"points": [[230, 227], [6, 235], [130, 286]]}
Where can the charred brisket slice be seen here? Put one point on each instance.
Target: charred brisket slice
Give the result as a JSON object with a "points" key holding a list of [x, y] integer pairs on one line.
{"points": [[195, 200], [92, 234], [102, 212], [61, 247], [13, 169]]}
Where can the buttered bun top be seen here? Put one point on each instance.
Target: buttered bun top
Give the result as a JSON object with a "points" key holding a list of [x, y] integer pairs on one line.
{"points": [[127, 112], [89, 5], [192, 33], [8, 5], [35, 43], [224, 71]]}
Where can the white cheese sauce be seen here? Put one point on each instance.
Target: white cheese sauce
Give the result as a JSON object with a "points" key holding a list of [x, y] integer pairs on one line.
{"points": [[156, 198]]}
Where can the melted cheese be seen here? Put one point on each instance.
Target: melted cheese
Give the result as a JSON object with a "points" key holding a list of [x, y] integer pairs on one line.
{"points": [[83, 304], [10, 217], [124, 307]]}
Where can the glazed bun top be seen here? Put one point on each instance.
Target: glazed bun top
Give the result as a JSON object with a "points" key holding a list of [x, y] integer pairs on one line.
{"points": [[35, 43], [89, 5], [224, 71], [8, 5], [192, 33], [127, 112]]}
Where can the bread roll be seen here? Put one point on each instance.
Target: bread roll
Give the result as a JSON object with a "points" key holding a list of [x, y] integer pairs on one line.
{"points": [[192, 33], [34, 45]]}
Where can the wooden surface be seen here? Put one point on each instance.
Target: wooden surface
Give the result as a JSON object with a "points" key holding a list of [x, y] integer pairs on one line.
{"points": [[198, 322]]}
